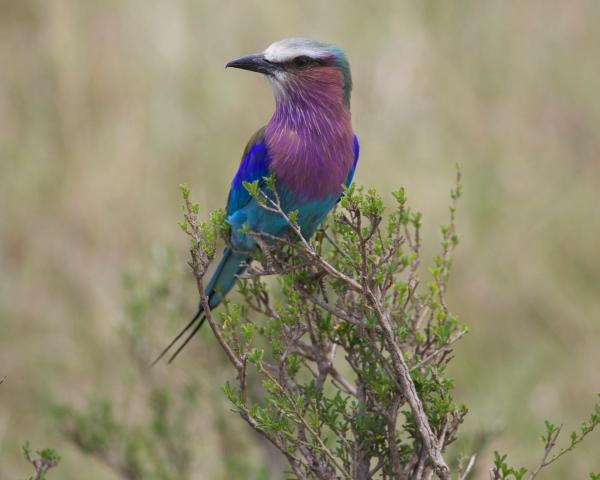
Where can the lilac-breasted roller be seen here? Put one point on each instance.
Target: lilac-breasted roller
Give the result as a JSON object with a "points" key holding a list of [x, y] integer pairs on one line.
{"points": [[308, 145]]}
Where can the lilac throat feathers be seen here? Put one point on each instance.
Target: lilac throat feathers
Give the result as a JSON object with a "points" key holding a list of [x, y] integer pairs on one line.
{"points": [[310, 136]]}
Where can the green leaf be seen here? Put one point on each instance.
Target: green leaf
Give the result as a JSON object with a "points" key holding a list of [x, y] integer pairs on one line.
{"points": [[256, 355], [185, 191], [252, 188]]}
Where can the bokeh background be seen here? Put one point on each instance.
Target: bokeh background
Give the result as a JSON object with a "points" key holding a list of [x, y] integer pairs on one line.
{"points": [[106, 106]]}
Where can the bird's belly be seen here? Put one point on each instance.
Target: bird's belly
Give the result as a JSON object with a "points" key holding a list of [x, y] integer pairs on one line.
{"points": [[310, 215]]}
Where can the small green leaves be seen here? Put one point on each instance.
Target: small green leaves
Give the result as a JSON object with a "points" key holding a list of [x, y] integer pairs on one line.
{"points": [[293, 365], [203, 235], [400, 196], [456, 192], [233, 394], [247, 330], [256, 355], [185, 191], [218, 220], [416, 218], [42, 460], [351, 195], [26, 449], [252, 188], [551, 429], [503, 471], [576, 437], [270, 182], [372, 204], [49, 455]]}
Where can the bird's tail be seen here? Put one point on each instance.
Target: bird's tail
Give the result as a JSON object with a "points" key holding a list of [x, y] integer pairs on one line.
{"points": [[222, 281]]}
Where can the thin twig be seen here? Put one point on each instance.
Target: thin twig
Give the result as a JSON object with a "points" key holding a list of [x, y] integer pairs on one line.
{"points": [[550, 444], [469, 467]]}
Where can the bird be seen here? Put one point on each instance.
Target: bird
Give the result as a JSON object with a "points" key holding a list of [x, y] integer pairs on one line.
{"points": [[308, 146]]}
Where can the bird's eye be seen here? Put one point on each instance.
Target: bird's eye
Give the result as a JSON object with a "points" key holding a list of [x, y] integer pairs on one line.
{"points": [[301, 61]]}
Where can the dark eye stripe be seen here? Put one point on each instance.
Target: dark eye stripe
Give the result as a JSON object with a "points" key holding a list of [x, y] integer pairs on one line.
{"points": [[304, 61], [301, 61]]}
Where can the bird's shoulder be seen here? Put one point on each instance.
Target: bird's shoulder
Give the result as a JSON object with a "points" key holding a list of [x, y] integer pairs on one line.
{"points": [[258, 138]]}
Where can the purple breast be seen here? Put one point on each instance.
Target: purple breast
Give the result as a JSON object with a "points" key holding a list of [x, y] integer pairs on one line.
{"points": [[310, 141]]}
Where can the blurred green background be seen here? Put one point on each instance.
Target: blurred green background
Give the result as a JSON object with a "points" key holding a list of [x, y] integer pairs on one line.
{"points": [[106, 106]]}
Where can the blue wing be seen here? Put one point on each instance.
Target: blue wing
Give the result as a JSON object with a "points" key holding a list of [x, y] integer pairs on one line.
{"points": [[351, 172], [254, 166]]}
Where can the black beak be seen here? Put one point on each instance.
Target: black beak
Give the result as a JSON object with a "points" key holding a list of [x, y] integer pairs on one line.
{"points": [[254, 63]]}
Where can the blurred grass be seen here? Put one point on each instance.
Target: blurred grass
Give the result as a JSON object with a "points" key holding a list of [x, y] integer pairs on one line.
{"points": [[105, 106]]}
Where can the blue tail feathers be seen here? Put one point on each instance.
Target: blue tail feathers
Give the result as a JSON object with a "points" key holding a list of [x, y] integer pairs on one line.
{"points": [[225, 275], [222, 281]]}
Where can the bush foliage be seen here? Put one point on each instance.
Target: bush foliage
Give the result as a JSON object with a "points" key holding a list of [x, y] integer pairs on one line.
{"points": [[341, 362]]}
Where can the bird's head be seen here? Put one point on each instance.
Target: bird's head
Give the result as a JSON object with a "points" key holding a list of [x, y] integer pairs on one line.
{"points": [[297, 65]]}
